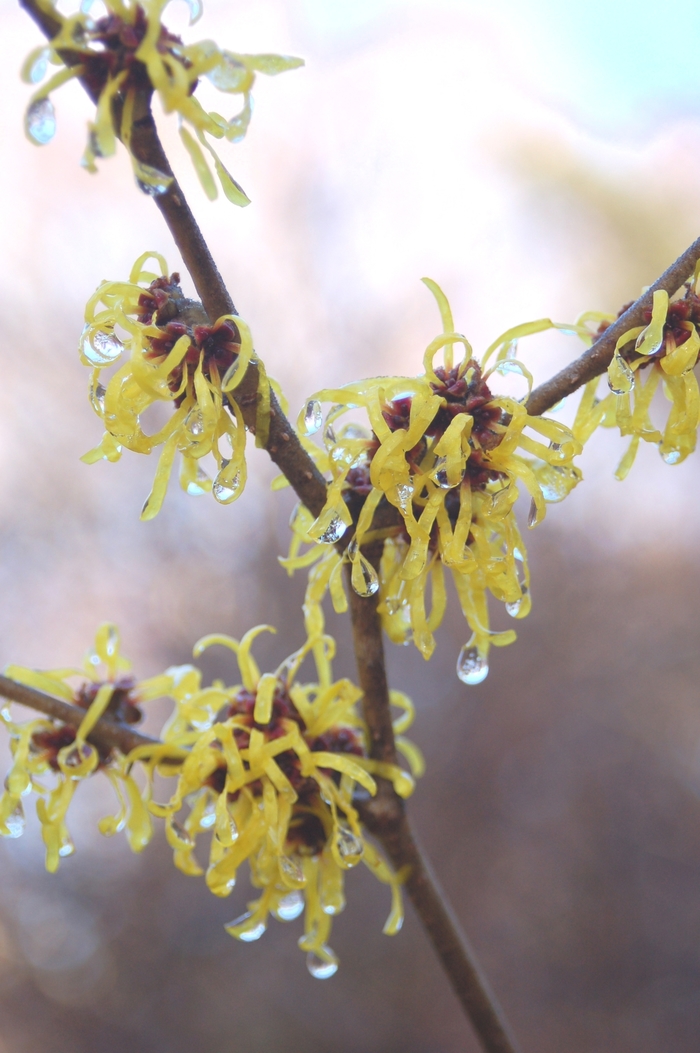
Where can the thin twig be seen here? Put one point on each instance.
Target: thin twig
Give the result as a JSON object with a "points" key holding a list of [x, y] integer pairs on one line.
{"points": [[111, 734], [593, 362]]}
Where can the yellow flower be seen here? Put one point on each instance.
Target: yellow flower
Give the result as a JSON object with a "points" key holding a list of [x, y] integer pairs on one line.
{"points": [[128, 50], [271, 773], [664, 350], [176, 356], [46, 747], [448, 454]]}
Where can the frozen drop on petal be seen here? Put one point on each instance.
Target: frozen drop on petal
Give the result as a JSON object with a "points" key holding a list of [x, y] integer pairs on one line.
{"points": [[472, 666], [15, 821], [37, 70], [100, 347], [333, 532], [194, 422], [620, 376], [150, 180], [181, 834], [197, 487], [225, 490], [229, 74], [97, 397], [404, 492], [67, 848], [112, 641], [291, 871], [313, 416], [532, 514], [195, 7], [246, 928], [40, 121], [208, 816], [322, 967], [350, 847], [290, 906], [513, 608], [671, 456], [364, 578]]}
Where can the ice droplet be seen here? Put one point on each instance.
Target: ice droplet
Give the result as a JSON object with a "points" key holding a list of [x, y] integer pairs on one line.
{"points": [[472, 666], [229, 75], [97, 397], [513, 608], [532, 514], [100, 346], [112, 641], [150, 180], [350, 847], [197, 487], [511, 350], [194, 422], [369, 579], [37, 71], [329, 436], [625, 379], [67, 848], [290, 906], [195, 7], [208, 816], [181, 834], [558, 482], [40, 121], [15, 821], [252, 932], [671, 456], [313, 416], [404, 492], [333, 532], [322, 968], [225, 490], [291, 870]]}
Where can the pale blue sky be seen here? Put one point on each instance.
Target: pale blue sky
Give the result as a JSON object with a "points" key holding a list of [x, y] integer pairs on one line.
{"points": [[620, 67]]}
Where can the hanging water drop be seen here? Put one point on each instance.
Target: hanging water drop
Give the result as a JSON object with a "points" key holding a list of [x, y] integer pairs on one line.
{"points": [[67, 847], [404, 492], [513, 608], [112, 641], [195, 7], [350, 847], [333, 532], [40, 121], [150, 180], [15, 821], [291, 871], [671, 456], [532, 514], [37, 70], [622, 378], [253, 931], [100, 347], [225, 490], [364, 578], [97, 397], [229, 74], [313, 416], [208, 816], [472, 666], [194, 422], [181, 834], [197, 487], [322, 968], [290, 906]]}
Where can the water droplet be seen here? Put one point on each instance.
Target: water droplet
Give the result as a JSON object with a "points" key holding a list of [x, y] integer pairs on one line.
{"points": [[197, 487], [513, 608], [15, 821], [322, 968], [249, 934], [73, 759], [532, 514], [651, 349], [194, 422], [329, 436], [225, 490], [37, 70], [150, 180], [181, 834], [517, 554], [393, 604], [313, 416], [671, 456], [97, 397], [67, 847], [472, 666], [112, 641], [623, 377], [290, 906], [229, 75], [291, 871], [368, 582], [511, 350], [440, 475], [404, 492], [333, 532], [195, 7], [350, 847], [100, 346], [40, 121], [208, 816], [555, 446]]}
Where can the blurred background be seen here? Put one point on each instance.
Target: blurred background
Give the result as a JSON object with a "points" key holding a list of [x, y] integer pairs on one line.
{"points": [[536, 159]]}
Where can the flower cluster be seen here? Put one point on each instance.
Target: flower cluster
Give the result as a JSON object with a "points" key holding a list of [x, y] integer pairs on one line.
{"points": [[129, 51], [269, 768], [447, 454], [665, 349], [46, 748], [177, 356]]}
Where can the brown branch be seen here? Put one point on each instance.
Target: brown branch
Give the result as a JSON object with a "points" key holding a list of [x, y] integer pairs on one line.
{"points": [[593, 362], [385, 817], [108, 733]]}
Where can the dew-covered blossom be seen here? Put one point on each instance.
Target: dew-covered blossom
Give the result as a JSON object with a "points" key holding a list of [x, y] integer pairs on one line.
{"points": [[128, 51], [448, 454], [662, 351], [175, 356]]}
